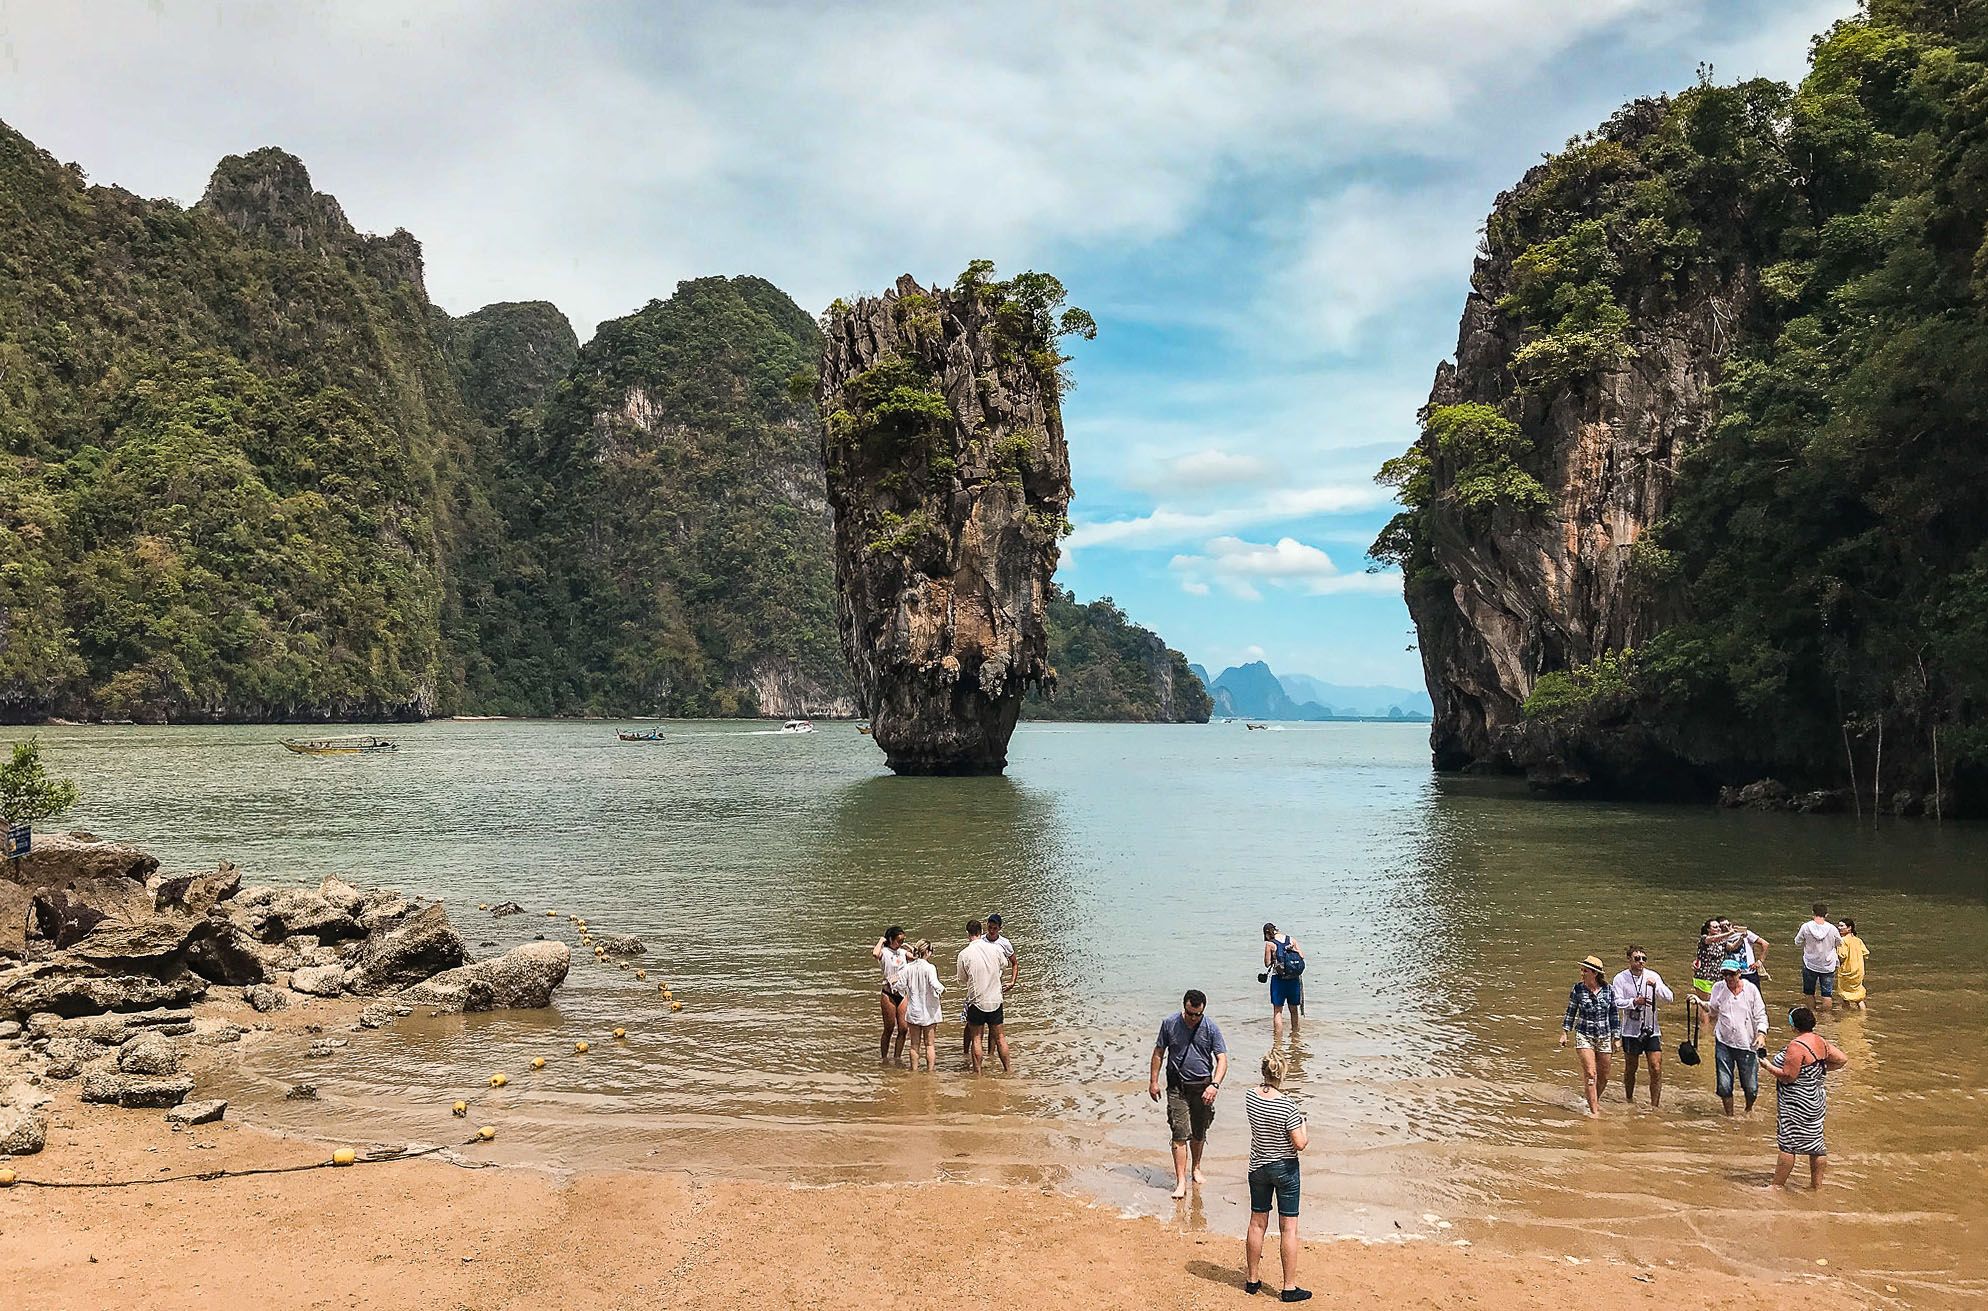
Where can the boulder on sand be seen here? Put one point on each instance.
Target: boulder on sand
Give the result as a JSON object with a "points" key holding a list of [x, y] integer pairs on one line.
{"points": [[197, 894], [523, 977], [187, 1114], [420, 946], [65, 985], [22, 1132], [148, 1053], [131, 1090], [222, 951], [319, 980]]}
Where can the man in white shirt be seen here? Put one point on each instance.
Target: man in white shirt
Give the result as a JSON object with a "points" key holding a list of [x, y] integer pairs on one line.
{"points": [[1739, 1027], [979, 967], [1818, 940], [1638, 989], [1007, 946]]}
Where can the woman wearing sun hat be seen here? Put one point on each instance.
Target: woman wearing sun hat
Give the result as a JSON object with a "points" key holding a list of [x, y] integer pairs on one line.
{"points": [[1595, 1022]]}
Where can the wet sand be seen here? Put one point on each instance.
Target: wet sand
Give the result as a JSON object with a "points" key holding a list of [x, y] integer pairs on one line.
{"points": [[421, 1233]]}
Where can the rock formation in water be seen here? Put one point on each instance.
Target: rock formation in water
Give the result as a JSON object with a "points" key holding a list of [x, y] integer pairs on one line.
{"points": [[950, 482], [1702, 502]]}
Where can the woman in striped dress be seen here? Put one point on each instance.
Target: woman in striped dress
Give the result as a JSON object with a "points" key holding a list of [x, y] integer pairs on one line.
{"points": [[1800, 1100]]}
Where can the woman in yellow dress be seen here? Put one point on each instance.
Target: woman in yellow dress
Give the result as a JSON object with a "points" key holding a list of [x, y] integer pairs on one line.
{"points": [[1850, 954]]}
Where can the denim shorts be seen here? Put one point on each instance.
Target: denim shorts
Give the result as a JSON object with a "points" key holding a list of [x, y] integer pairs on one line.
{"points": [[1812, 979], [1728, 1060], [1279, 1178], [1285, 991]]}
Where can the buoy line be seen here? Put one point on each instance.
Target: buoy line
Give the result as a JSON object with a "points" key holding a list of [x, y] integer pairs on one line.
{"points": [[205, 1176]]}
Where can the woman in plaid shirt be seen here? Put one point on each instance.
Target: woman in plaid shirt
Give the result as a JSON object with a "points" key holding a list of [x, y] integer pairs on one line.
{"points": [[1595, 1023]]}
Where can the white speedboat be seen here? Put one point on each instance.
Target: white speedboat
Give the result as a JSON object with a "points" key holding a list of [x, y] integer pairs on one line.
{"points": [[798, 726]]}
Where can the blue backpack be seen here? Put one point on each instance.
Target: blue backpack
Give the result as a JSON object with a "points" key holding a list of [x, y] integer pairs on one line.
{"points": [[1289, 961]]}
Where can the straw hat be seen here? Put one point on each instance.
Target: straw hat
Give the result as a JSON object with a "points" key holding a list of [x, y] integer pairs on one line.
{"points": [[1594, 963]]}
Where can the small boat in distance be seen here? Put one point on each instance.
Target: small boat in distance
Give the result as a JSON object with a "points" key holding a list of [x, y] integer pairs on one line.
{"points": [[1247, 724], [642, 735], [798, 726], [864, 728], [339, 746]]}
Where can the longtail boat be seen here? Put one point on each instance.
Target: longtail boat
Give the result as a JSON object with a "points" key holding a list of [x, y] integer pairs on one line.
{"points": [[642, 735], [339, 746]]}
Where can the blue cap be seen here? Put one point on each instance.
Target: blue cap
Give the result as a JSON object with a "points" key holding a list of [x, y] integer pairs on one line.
{"points": [[1730, 965]]}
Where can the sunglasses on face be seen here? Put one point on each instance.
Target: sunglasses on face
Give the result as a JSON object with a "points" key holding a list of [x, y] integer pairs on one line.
{"points": [[1639, 959]]}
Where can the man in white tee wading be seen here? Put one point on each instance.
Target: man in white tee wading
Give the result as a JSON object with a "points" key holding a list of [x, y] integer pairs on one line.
{"points": [[1638, 989], [1818, 940], [979, 968], [1739, 1027]]}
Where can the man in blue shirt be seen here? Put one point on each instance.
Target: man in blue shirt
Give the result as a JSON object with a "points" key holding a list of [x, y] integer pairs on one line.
{"points": [[1194, 1058]]}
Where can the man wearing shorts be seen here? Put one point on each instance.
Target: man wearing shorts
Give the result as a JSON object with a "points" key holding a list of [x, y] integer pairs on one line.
{"points": [[1638, 989], [979, 968], [1286, 991], [1194, 1058], [1818, 940]]}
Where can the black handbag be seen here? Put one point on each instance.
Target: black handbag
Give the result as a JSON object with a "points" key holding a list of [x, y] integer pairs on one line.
{"points": [[1687, 1050]]}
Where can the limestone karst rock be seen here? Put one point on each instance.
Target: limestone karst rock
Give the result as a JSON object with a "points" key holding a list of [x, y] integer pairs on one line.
{"points": [[950, 481]]}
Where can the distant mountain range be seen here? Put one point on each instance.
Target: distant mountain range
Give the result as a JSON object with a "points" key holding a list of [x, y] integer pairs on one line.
{"points": [[1252, 691]]}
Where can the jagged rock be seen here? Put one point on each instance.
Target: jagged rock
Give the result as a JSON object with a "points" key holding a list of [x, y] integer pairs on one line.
{"points": [[1767, 794], [319, 980], [188, 1114], [300, 910], [9, 1029], [265, 998], [523, 977], [326, 1046], [197, 894], [222, 951], [22, 1132], [61, 858], [68, 986], [947, 515], [142, 942], [148, 1053], [301, 1092], [16, 904], [503, 908], [341, 895], [422, 945], [619, 944], [376, 1015], [1906, 802], [70, 1057], [1821, 802], [380, 909], [217, 1033], [135, 1091]]}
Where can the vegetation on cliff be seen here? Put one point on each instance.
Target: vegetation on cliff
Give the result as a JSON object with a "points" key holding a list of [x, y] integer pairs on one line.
{"points": [[1109, 668], [1813, 592]]}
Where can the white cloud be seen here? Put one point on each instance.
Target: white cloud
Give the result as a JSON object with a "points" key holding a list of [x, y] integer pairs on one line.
{"points": [[1238, 567], [1166, 524], [1202, 470]]}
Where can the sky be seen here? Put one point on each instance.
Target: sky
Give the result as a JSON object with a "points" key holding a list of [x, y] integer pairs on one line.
{"points": [[1270, 208]]}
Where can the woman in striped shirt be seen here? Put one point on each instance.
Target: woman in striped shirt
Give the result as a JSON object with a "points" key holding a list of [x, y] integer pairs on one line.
{"points": [[1276, 1136]]}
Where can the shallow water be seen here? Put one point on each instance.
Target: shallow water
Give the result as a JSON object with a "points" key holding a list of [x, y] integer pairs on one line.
{"points": [[1440, 917]]}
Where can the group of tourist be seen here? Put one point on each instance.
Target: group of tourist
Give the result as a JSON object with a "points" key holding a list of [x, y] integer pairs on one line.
{"points": [[909, 999], [1602, 1013]]}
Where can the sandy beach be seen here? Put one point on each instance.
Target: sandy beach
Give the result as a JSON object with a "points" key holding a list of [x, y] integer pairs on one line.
{"points": [[423, 1233]]}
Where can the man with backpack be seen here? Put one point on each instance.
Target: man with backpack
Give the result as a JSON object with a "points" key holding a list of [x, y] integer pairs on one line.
{"points": [[1283, 966]]}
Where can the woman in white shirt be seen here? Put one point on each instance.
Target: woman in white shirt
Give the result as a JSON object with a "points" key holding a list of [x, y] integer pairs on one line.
{"points": [[891, 955], [920, 982]]}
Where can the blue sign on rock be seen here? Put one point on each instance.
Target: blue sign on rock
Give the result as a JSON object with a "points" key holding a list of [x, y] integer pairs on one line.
{"points": [[20, 838]]}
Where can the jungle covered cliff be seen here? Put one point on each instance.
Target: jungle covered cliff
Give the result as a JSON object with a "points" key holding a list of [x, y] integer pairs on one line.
{"points": [[1703, 498], [249, 472]]}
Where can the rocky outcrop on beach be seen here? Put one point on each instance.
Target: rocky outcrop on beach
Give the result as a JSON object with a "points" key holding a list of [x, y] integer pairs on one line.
{"points": [[949, 480], [107, 944]]}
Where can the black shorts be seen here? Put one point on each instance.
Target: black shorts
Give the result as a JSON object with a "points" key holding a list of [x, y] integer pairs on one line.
{"points": [[977, 1018], [1647, 1044], [893, 994]]}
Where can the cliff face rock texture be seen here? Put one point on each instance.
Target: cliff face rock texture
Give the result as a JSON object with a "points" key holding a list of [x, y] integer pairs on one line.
{"points": [[950, 482]]}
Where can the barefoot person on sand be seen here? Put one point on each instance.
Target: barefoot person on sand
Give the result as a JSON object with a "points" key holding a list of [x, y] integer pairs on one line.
{"points": [[1276, 1136], [1638, 989], [921, 986], [1799, 1099], [1194, 1056], [1283, 969], [1739, 1026], [1594, 1021], [890, 954]]}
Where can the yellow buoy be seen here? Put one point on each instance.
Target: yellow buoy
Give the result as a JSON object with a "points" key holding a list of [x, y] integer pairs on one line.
{"points": [[641, 974], [676, 1005], [483, 905], [621, 1033], [486, 1133], [552, 914], [499, 1080], [460, 1108], [6, 1177], [538, 1062], [344, 1156], [580, 1046]]}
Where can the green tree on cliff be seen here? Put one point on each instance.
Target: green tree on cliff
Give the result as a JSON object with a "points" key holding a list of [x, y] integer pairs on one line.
{"points": [[27, 793]]}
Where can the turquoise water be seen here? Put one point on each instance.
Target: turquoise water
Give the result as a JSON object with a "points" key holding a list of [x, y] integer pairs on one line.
{"points": [[1441, 919]]}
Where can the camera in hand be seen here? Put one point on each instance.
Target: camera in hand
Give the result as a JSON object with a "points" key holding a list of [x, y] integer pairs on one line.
{"points": [[1263, 977]]}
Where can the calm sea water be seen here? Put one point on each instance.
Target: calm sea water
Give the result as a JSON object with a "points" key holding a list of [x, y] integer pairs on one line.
{"points": [[1442, 920]]}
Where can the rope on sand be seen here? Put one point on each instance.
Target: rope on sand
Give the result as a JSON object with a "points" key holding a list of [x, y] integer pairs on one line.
{"points": [[207, 1176]]}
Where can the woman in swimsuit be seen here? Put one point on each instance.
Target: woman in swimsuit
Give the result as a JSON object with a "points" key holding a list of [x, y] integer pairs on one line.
{"points": [[891, 955]]}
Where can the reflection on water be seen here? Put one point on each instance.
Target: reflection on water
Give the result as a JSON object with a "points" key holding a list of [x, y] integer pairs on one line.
{"points": [[1442, 921]]}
